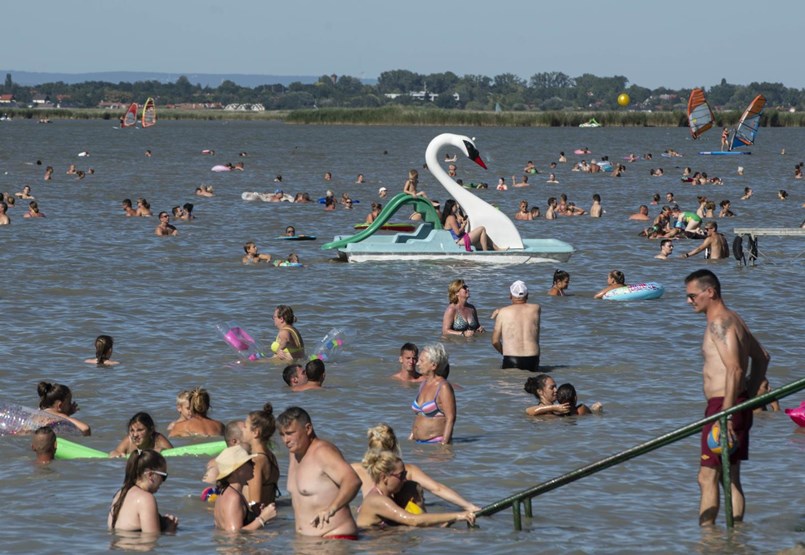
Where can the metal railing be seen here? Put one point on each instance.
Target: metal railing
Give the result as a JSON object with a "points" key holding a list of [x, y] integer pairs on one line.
{"points": [[524, 497]]}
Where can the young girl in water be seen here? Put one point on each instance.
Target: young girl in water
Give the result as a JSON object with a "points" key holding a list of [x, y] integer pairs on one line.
{"points": [[257, 432], [142, 434], [103, 351], [134, 507], [182, 407], [58, 399], [561, 281]]}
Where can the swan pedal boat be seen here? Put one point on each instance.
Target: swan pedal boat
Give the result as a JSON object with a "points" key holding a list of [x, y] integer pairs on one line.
{"points": [[429, 241]]}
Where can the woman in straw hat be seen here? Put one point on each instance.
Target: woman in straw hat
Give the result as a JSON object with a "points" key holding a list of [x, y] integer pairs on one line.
{"points": [[232, 511]]}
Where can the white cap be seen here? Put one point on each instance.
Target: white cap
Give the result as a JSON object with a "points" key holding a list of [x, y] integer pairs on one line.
{"points": [[518, 289], [382, 190]]}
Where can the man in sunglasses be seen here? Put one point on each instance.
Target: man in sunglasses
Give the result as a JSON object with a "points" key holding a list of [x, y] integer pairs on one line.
{"points": [[729, 379]]}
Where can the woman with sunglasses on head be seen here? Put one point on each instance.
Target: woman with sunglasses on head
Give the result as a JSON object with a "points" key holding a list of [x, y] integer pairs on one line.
{"points": [[379, 509], [134, 507], [142, 434], [460, 317]]}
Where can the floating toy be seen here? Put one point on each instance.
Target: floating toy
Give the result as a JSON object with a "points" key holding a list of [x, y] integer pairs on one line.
{"points": [[240, 340], [714, 440], [635, 292], [413, 508], [68, 450], [286, 264], [207, 449], [210, 494], [330, 346], [16, 419], [297, 237], [797, 414], [221, 168], [623, 99]]}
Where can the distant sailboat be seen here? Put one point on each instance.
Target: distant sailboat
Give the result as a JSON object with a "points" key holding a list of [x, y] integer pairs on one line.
{"points": [[700, 116], [130, 118], [748, 126], [149, 113]]}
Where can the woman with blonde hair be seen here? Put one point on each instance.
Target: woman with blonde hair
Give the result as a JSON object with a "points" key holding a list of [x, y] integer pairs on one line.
{"points": [[198, 424], [460, 317], [388, 475], [383, 438]]}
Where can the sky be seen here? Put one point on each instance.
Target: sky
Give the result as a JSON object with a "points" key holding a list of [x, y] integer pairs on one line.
{"points": [[680, 44]]}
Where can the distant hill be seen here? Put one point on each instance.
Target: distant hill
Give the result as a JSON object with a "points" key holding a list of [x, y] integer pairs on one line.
{"points": [[30, 78]]}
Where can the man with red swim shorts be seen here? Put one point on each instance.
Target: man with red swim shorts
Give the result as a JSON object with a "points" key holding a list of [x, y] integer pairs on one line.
{"points": [[729, 379]]}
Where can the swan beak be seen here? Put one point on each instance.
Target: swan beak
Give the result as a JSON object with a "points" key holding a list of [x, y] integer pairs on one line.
{"points": [[480, 162]]}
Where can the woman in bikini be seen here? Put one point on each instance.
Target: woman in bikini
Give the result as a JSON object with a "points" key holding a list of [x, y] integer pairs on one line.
{"points": [[460, 317], [435, 404], [134, 507], [198, 423], [383, 438], [232, 512], [477, 236], [379, 509], [288, 345], [58, 399], [259, 428], [543, 387], [561, 281], [142, 435]]}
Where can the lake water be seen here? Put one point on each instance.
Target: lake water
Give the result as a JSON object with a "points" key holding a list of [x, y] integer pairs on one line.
{"points": [[86, 270]]}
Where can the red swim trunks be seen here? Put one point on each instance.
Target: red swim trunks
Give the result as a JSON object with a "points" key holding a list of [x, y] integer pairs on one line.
{"points": [[350, 537], [741, 423]]}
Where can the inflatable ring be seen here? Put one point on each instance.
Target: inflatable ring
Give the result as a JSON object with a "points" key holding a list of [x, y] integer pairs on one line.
{"points": [[635, 292]]}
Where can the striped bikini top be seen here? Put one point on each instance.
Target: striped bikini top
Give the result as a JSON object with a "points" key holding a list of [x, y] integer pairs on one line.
{"points": [[429, 409]]}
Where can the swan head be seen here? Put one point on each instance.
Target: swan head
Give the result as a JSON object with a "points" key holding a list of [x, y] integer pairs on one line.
{"points": [[471, 151]]}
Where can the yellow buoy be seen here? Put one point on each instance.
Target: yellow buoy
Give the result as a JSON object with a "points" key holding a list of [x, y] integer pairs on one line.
{"points": [[623, 99]]}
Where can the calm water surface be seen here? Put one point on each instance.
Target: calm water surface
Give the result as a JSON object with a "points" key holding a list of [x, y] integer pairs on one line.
{"points": [[86, 270]]}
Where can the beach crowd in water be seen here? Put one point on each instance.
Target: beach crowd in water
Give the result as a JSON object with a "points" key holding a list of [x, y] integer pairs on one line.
{"points": [[244, 478]]}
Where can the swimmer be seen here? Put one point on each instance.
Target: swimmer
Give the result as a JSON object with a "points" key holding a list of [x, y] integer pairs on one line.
{"points": [[288, 344], [383, 438], [523, 213], [43, 444], [410, 186], [561, 281], [615, 279], [388, 473], [293, 258], [134, 507], [208, 151], [641, 214], [501, 186], [314, 372], [33, 210], [552, 179], [142, 435], [103, 351], [294, 376], [257, 433], [232, 512], [435, 404], [128, 210], [747, 193], [360, 180], [666, 249], [596, 210], [58, 399], [252, 255], [4, 219], [182, 407], [566, 395], [204, 191], [197, 423], [543, 387], [165, 228], [25, 194], [409, 354], [143, 208]]}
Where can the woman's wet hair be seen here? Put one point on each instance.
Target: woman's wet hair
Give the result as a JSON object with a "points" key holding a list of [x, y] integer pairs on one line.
{"points": [[142, 418], [286, 313], [566, 393], [199, 401], [535, 384], [50, 393], [138, 464], [453, 289], [618, 276], [379, 463], [103, 348], [383, 438], [560, 275], [263, 420]]}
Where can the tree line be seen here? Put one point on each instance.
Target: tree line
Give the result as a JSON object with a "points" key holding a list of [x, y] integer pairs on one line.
{"points": [[547, 91]]}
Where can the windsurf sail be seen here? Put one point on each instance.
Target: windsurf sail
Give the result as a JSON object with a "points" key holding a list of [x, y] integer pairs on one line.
{"points": [[748, 125], [130, 118], [700, 116], [149, 113]]}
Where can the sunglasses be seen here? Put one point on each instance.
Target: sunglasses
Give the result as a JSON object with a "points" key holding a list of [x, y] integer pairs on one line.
{"points": [[692, 296], [163, 474], [400, 475]]}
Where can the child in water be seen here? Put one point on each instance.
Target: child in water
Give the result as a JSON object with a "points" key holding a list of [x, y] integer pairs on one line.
{"points": [[103, 351], [566, 394]]}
